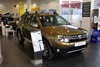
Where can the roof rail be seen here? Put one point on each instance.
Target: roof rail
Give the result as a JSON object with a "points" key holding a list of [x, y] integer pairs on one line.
{"points": [[37, 13]]}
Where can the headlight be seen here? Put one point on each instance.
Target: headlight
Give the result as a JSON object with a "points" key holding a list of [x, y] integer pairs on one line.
{"points": [[63, 38], [86, 33]]}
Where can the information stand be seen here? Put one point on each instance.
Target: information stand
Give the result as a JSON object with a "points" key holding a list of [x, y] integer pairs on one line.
{"points": [[1, 58], [37, 47]]}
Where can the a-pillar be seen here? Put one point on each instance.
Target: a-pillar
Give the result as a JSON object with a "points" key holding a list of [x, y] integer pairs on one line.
{"points": [[28, 5]]}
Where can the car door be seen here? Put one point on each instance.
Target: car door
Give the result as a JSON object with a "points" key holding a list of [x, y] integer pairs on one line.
{"points": [[26, 27], [33, 23]]}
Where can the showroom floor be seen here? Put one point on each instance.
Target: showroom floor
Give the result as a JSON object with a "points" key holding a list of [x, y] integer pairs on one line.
{"points": [[17, 55]]}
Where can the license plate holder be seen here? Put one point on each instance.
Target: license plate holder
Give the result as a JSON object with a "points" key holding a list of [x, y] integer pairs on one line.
{"points": [[80, 43]]}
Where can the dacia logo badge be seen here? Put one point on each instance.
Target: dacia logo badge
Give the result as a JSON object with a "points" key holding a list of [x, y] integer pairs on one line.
{"points": [[80, 36]]}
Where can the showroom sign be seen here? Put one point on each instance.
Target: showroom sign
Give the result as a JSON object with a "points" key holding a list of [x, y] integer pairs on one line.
{"points": [[73, 4], [65, 4], [86, 9]]}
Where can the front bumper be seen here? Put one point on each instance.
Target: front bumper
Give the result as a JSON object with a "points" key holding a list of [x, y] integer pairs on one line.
{"points": [[68, 49]]}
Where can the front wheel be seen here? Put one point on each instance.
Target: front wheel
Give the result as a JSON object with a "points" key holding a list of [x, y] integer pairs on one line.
{"points": [[20, 38], [47, 53]]}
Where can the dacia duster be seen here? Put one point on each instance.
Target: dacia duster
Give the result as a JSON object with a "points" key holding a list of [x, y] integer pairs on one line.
{"points": [[59, 36]]}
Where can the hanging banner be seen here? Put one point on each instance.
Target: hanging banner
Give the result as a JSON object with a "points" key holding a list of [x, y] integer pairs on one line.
{"points": [[76, 4], [65, 4], [21, 9]]}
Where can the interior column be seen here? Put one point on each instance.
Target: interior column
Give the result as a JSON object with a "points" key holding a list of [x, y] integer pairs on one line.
{"points": [[28, 5]]}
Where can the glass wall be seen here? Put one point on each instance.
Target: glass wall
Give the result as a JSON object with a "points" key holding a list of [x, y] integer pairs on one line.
{"points": [[72, 11]]}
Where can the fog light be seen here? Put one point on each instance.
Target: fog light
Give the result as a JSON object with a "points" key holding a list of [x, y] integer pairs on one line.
{"points": [[58, 50]]}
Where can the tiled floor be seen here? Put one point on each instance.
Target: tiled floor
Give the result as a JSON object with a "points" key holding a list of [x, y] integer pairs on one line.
{"points": [[17, 55]]}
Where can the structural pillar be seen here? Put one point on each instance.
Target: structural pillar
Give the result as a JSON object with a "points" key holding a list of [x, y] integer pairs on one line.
{"points": [[1, 58], [28, 5]]}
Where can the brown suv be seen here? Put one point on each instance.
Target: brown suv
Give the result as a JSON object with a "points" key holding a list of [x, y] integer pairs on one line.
{"points": [[58, 35]]}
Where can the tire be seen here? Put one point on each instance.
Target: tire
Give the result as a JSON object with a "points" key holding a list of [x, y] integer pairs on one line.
{"points": [[47, 53], [20, 37]]}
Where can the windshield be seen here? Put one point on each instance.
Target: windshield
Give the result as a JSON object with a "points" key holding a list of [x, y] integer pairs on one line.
{"points": [[53, 20]]}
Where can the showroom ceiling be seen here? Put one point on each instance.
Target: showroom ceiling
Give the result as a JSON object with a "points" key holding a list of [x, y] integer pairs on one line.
{"points": [[12, 1]]}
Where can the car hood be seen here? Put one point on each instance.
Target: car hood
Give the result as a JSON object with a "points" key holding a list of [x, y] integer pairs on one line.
{"points": [[62, 30]]}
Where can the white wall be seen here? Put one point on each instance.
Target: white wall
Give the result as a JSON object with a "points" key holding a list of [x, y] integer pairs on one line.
{"points": [[9, 7], [86, 21]]}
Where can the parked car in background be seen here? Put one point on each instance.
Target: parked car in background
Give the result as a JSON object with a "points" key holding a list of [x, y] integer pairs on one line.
{"points": [[59, 36], [14, 23], [7, 20]]}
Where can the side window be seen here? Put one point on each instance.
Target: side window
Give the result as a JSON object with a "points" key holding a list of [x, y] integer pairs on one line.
{"points": [[60, 20], [33, 20], [27, 18]]}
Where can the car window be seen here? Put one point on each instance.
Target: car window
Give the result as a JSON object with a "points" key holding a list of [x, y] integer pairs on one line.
{"points": [[33, 20], [10, 19], [46, 20], [27, 19], [53, 20], [60, 20]]}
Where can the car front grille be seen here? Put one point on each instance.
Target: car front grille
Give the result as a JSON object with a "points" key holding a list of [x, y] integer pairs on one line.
{"points": [[75, 38]]}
